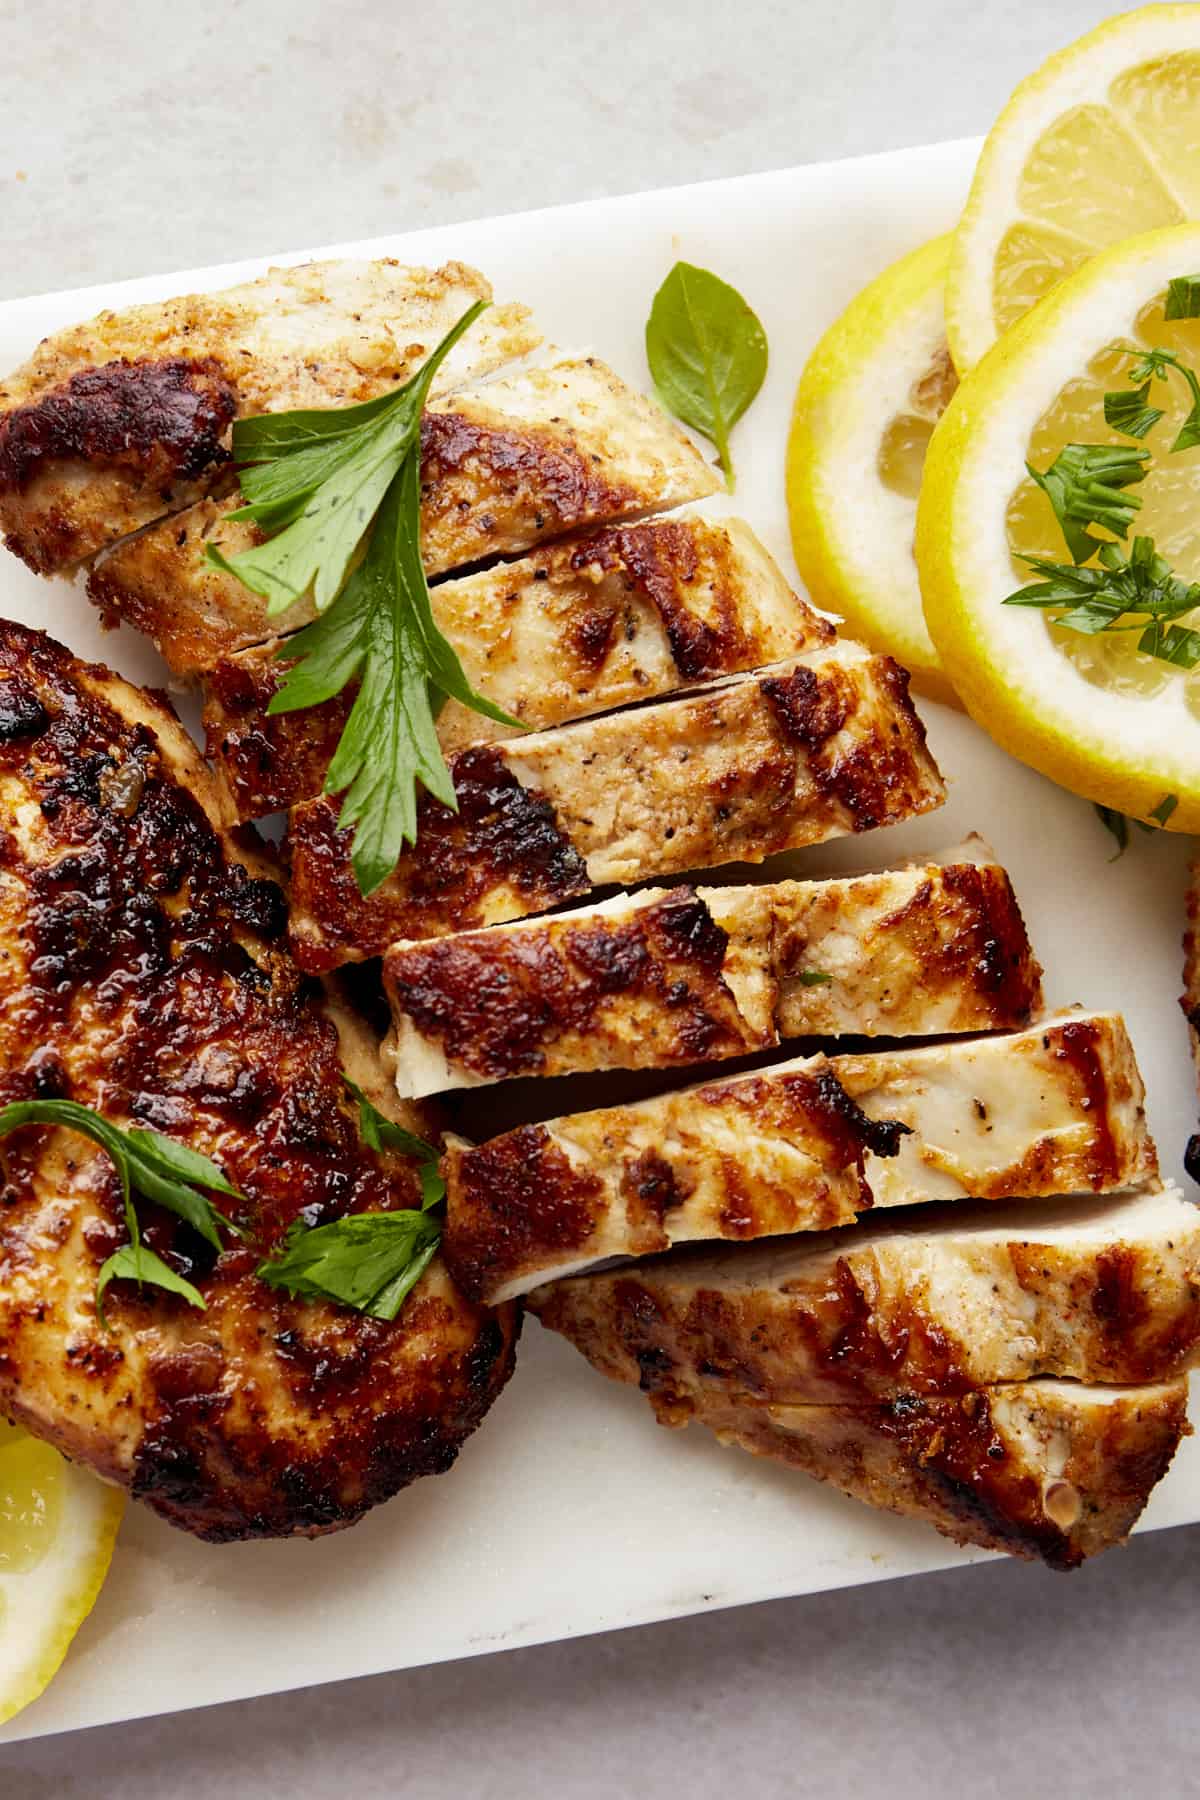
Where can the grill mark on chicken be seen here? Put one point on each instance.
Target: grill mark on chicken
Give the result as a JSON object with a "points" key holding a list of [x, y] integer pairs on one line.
{"points": [[693, 780], [1078, 1045], [909, 952], [537, 483], [166, 419], [143, 974], [502, 836], [495, 1012], [502, 1213], [588, 624], [771, 1153]]}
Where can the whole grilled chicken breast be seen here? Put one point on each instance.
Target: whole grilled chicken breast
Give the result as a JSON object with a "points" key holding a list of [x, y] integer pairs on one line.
{"points": [[144, 974]]}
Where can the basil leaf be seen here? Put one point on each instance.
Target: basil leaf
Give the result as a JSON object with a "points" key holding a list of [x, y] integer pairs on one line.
{"points": [[707, 353], [134, 1262]]}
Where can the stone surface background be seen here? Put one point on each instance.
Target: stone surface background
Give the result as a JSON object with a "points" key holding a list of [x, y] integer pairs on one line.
{"points": [[139, 137]]}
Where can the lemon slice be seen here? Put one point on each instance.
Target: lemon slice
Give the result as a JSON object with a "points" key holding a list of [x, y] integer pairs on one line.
{"points": [[57, 1527], [1102, 142], [871, 393], [1093, 713]]}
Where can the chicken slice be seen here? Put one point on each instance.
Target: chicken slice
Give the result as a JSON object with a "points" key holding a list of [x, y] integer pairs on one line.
{"points": [[801, 1146], [668, 977], [143, 973], [624, 614], [804, 751], [504, 465], [1046, 1470], [114, 422], [953, 1298]]}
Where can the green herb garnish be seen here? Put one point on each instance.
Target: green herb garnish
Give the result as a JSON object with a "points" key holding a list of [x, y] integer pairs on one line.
{"points": [[1128, 410], [707, 353], [1117, 823], [1154, 365], [321, 484], [814, 978], [148, 1164], [379, 1132], [1183, 298], [370, 1261], [1134, 592], [1117, 826], [1084, 484]]}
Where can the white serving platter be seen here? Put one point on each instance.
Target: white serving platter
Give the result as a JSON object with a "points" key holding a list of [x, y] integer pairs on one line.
{"points": [[572, 1511]]}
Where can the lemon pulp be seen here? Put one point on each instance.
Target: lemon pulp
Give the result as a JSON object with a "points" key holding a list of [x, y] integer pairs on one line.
{"points": [[1099, 172]]}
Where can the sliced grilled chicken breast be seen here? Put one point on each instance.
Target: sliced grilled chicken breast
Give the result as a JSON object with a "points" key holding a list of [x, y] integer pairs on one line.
{"points": [[144, 974], [591, 623], [808, 750], [114, 422], [683, 975], [954, 1298], [505, 465], [801, 1146], [1045, 1470]]}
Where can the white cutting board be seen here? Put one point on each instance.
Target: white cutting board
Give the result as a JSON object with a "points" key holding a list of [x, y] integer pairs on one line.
{"points": [[571, 1511]]}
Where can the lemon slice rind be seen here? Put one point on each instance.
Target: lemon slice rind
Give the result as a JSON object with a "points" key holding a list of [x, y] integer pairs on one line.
{"points": [[852, 536], [1080, 75], [43, 1607], [1119, 751]]}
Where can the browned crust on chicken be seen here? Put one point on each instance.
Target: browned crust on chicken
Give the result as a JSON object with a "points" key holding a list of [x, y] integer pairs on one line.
{"points": [[956, 1301], [686, 975], [620, 615], [1190, 998], [144, 974], [1051, 1110], [504, 466], [795, 755], [114, 422], [1041, 1470]]}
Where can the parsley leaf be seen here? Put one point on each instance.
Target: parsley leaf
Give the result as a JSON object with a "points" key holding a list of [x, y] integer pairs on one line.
{"points": [[379, 1132], [321, 484], [1156, 364], [1084, 485], [707, 353], [1183, 298], [1117, 826], [1128, 410], [370, 1261], [814, 978], [159, 1169], [1134, 592]]}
